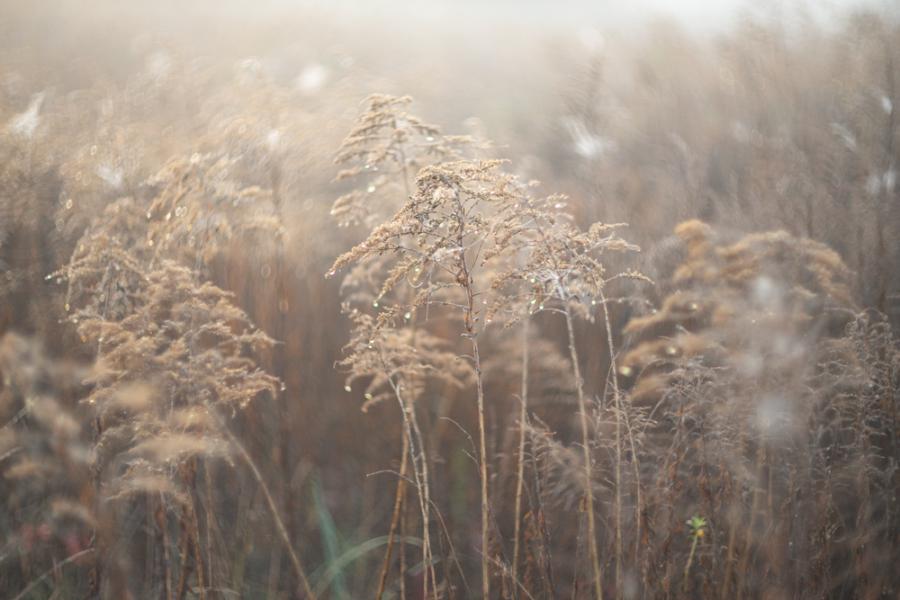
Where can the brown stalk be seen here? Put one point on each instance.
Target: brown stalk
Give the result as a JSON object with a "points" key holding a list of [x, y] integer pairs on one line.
{"points": [[164, 534], [185, 570], [588, 463], [24, 593], [395, 517], [465, 279], [303, 581], [210, 524], [520, 467], [404, 527], [420, 473], [619, 416], [198, 553]]}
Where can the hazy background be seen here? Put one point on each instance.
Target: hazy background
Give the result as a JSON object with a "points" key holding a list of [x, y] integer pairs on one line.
{"points": [[753, 117]]}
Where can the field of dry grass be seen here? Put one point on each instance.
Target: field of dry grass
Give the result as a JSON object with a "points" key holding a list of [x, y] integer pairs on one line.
{"points": [[339, 302]]}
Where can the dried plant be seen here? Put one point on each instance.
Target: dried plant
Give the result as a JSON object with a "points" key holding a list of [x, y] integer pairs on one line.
{"points": [[730, 371], [45, 460], [173, 353], [394, 144], [562, 271], [385, 149], [399, 363], [773, 279], [440, 241], [728, 429]]}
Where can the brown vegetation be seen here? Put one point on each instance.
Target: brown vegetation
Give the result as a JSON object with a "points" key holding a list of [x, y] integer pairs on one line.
{"points": [[247, 354]]}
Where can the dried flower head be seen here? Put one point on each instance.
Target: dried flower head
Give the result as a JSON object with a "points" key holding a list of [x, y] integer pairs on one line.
{"points": [[384, 150]]}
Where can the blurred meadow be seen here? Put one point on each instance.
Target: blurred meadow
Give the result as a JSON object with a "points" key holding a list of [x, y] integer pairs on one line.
{"points": [[506, 300]]}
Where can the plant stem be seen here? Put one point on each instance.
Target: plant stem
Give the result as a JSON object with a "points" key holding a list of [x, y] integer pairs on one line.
{"points": [[24, 593], [395, 517], [305, 588], [420, 474], [588, 463], [466, 280], [617, 403], [690, 559], [520, 475], [485, 544]]}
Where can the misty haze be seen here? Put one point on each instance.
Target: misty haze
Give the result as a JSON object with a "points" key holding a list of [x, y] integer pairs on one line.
{"points": [[440, 300]]}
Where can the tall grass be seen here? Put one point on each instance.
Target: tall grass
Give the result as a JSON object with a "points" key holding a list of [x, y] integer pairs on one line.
{"points": [[194, 405]]}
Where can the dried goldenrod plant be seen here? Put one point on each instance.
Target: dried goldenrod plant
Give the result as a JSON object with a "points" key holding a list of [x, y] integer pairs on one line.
{"points": [[440, 240], [384, 151], [737, 373], [399, 363], [728, 430], [174, 355], [562, 271]]}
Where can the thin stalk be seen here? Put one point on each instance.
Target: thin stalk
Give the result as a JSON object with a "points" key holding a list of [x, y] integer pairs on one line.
{"points": [[754, 508], [395, 517], [520, 474], [617, 402], [420, 474], [485, 543], [588, 463], [465, 279], [198, 553], [150, 557], [54, 569], [453, 554], [305, 588], [687, 567], [185, 566], [729, 559], [162, 525], [404, 529], [210, 525]]}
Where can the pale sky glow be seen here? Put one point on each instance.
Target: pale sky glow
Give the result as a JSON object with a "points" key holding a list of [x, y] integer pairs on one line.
{"points": [[693, 14]]}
